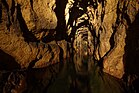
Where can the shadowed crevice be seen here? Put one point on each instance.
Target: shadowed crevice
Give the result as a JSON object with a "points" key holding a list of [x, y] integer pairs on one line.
{"points": [[8, 21], [50, 37], [131, 56], [61, 23], [112, 42], [31, 64], [132, 47], [31, 3], [0, 12]]}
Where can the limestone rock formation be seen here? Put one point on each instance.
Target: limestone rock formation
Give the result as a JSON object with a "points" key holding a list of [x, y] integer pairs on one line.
{"points": [[39, 33], [27, 32]]}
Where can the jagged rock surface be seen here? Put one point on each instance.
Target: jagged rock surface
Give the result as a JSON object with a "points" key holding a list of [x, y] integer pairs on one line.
{"points": [[37, 33], [27, 31], [108, 22]]}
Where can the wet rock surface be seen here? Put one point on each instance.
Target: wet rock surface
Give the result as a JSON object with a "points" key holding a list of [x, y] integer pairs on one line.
{"points": [[64, 77], [36, 34]]}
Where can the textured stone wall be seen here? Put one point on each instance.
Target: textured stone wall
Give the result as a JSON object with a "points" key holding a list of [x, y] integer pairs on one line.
{"points": [[27, 31], [37, 33]]}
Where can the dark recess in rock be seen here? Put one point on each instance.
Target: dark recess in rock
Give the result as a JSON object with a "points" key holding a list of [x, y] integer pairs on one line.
{"points": [[0, 12], [132, 56], [61, 25]]}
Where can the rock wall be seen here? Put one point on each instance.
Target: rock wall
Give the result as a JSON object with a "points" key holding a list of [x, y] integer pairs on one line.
{"points": [[27, 31], [37, 33]]}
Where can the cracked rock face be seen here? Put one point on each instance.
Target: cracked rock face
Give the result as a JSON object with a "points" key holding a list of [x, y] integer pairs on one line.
{"points": [[107, 23], [39, 14], [38, 33]]}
